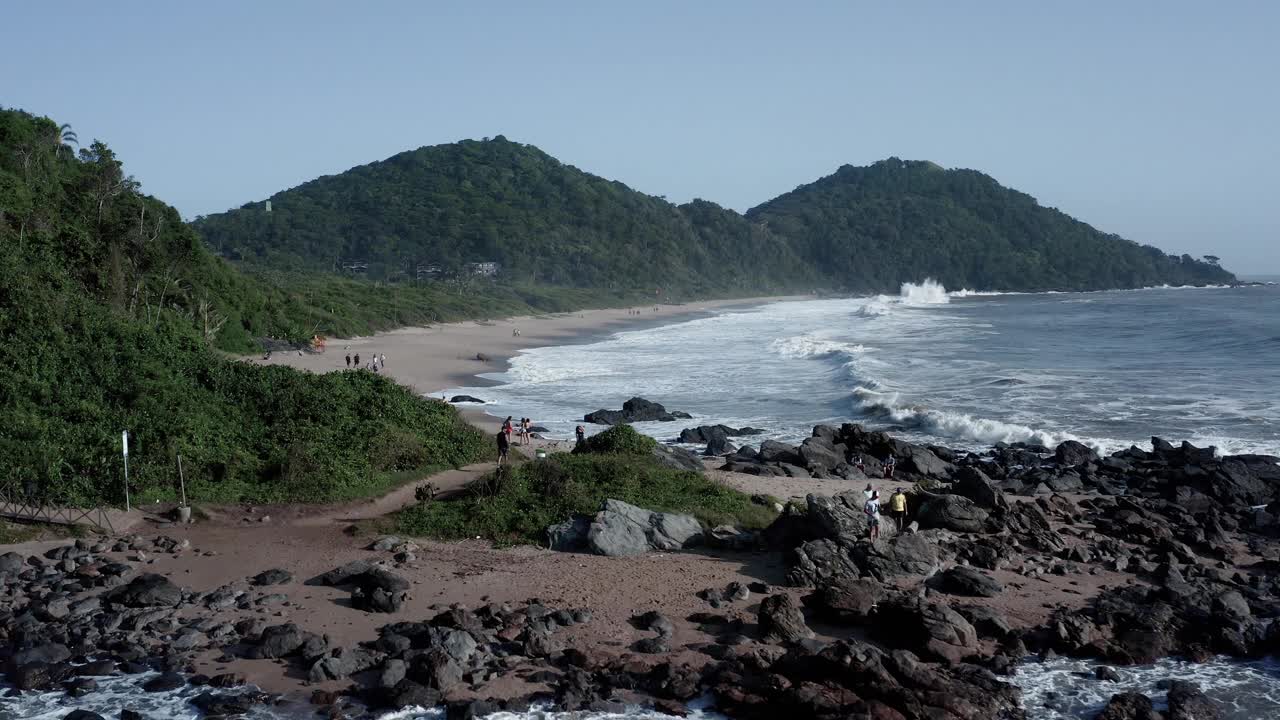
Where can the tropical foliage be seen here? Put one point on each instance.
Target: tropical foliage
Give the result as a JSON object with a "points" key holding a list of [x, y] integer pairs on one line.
{"points": [[112, 311], [860, 229]]}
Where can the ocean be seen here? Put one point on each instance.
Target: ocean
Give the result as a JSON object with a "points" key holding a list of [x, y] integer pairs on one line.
{"points": [[962, 369]]}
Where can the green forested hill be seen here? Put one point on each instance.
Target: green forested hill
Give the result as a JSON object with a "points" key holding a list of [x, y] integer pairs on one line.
{"points": [[500, 201], [112, 312], [875, 227], [859, 229]]}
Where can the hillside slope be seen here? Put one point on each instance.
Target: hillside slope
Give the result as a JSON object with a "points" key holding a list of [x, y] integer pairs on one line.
{"points": [[895, 221], [859, 229], [112, 311], [495, 200]]}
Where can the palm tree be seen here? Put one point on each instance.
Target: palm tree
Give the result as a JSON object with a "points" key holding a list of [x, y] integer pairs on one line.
{"points": [[63, 138]]}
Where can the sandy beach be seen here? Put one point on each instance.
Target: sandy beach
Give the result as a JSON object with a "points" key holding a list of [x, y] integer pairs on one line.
{"points": [[438, 357]]}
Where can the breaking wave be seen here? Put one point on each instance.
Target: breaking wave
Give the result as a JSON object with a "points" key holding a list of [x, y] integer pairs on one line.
{"points": [[807, 346], [957, 426], [929, 292]]}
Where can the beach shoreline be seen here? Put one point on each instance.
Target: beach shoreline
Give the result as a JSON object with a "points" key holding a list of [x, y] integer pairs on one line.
{"points": [[436, 358]]}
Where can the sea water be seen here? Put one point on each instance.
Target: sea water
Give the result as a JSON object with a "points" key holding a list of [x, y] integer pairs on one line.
{"points": [[962, 369], [958, 368]]}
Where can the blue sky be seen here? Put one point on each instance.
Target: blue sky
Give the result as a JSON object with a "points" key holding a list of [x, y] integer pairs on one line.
{"points": [[1159, 121]]}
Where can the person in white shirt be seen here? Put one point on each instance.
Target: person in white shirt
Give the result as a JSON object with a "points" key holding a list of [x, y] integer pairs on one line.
{"points": [[872, 510]]}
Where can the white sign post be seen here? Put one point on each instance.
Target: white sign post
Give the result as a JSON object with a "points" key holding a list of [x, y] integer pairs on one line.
{"points": [[124, 443]]}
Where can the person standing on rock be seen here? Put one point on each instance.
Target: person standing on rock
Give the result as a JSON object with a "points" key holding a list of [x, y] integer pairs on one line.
{"points": [[872, 510], [898, 507], [889, 464], [504, 446], [868, 492]]}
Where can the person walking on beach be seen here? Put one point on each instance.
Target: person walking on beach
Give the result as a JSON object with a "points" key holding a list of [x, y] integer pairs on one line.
{"points": [[504, 446], [868, 492], [507, 427], [581, 434], [357, 360], [383, 359], [348, 361], [889, 464], [872, 510], [525, 423], [898, 507]]}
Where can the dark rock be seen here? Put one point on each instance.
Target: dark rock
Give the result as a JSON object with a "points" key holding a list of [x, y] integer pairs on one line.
{"points": [[465, 399], [570, 535], [274, 576], [677, 458], [951, 512], [846, 599], [965, 581], [775, 452], [280, 641], [930, 629], [343, 663], [1187, 702], [633, 411], [164, 682], [82, 715], [147, 590], [817, 562], [972, 483], [1129, 706], [655, 622], [1071, 453], [621, 529], [1109, 674], [781, 620], [904, 555]]}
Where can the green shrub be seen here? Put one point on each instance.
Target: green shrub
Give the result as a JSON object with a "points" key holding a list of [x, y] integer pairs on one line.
{"points": [[518, 507], [622, 439]]}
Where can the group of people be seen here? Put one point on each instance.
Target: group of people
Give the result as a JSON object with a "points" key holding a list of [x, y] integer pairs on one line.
{"points": [[871, 508], [376, 363], [523, 436]]}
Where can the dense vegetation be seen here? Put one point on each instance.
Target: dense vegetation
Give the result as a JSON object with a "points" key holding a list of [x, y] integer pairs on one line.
{"points": [[860, 229], [112, 311], [496, 200], [875, 227], [517, 504]]}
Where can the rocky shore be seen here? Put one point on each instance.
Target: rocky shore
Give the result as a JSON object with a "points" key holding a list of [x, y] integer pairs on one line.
{"points": [[1136, 556]]}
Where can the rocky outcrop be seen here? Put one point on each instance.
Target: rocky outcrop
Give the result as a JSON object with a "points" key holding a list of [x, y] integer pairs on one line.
{"points": [[781, 620], [930, 629], [965, 581], [146, 591], [951, 512], [373, 587], [633, 411], [621, 529]]}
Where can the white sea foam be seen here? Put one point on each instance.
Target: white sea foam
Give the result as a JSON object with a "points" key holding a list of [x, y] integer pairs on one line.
{"points": [[957, 426], [699, 709], [928, 292], [806, 346], [1066, 689]]}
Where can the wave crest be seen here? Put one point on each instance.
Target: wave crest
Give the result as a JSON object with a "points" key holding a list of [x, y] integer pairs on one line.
{"points": [[807, 346], [960, 426]]}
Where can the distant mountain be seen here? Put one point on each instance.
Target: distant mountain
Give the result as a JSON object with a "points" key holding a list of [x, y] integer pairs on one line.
{"points": [[877, 226], [498, 201], [544, 222]]}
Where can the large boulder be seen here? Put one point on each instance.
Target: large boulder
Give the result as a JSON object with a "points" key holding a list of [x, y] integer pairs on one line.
{"points": [[965, 581], [847, 599], [951, 512], [11, 563], [820, 455], [147, 590], [707, 433], [774, 451], [920, 460], [837, 516], [1071, 453], [570, 535], [781, 620], [634, 410], [931, 630], [974, 484], [1129, 706], [904, 555], [621, 529], [818, 562], [1187, 702]]}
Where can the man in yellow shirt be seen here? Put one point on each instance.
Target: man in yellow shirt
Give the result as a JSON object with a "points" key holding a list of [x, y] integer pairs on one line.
{"points": [[898, 507]]}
